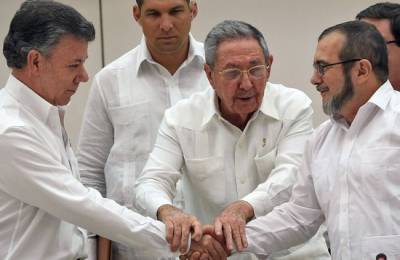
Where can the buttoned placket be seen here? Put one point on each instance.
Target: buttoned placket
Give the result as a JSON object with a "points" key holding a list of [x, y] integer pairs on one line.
{"points": [[65, 138]]}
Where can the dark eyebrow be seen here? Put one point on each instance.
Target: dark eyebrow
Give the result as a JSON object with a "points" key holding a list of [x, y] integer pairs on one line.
{"points": [[151, 11], [177, 8]]}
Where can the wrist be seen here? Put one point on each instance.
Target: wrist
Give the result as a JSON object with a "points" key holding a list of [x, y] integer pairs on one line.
{"points": [[164, 210], [247, 210]]}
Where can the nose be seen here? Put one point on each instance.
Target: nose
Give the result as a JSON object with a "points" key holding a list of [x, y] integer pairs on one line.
{"points": [[245, 82], [83, 76], [316, 78], [166, 23]]}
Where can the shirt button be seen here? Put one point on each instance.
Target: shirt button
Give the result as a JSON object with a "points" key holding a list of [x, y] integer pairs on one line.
{"points": [[242, 180]]}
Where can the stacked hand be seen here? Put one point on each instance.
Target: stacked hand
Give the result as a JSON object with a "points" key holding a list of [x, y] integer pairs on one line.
{"points": [[178, 227], [231, 223], [208, 242], [209, 247]]}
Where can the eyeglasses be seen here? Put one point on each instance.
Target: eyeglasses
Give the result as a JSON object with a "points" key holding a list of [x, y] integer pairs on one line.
{"points": [[321, 67], [256, 72]]}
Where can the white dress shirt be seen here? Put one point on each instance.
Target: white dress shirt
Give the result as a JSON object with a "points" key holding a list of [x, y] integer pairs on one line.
{"points": [[125, 107], [41, 198], [351, 178], [220, 164]]}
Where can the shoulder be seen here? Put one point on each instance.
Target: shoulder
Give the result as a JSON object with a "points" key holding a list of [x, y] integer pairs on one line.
{"points": [[321, 132], [288, 102], [10, 113], [124, 62], [189, 113], [288, 95]]}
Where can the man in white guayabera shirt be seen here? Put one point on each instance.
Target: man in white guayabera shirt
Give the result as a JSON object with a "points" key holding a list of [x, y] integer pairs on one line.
{"points": [[350, 173], [241, 139], [128, 99], [42, 201]]}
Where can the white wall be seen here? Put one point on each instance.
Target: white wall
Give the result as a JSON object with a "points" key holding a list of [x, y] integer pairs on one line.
{"points": [[290, 27]]}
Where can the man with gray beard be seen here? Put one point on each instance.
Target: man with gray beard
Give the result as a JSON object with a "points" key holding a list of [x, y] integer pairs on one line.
{"points": [[350, 171]]}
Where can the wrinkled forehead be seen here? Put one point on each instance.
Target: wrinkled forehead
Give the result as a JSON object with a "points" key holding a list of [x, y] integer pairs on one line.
{"points": [[238, 51]]}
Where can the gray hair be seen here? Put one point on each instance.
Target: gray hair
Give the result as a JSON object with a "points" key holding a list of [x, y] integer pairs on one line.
{"points": [[231, 30], [40, 25]]}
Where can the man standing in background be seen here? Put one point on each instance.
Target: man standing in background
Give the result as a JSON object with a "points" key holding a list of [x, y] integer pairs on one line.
{"points": [[386, 18], [128, 98]]}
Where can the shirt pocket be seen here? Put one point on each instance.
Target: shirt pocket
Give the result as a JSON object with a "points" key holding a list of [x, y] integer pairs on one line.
{"points": [[132, 145], [265, 164], [379, 170], [132, 130], [388, 245], [208, 178]]}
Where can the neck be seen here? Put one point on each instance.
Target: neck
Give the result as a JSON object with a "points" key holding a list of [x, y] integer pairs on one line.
{"points": [[171, 61], [238, 120], [360, 97]]}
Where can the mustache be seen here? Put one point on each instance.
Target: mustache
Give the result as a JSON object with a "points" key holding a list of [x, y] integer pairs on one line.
{"points": [[321, 88]]}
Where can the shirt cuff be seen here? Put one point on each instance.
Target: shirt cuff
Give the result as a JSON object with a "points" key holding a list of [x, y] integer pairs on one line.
{"points": [[261, 205], [153, 207]]}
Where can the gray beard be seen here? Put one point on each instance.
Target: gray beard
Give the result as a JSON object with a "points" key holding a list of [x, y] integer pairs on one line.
{"points": [[333, 107]]}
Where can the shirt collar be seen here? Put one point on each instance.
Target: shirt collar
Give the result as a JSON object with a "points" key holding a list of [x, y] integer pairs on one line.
{"points": [[268, 106], [211, 107], [28, 98], [382, 95], [380, 98], [196, 51]]}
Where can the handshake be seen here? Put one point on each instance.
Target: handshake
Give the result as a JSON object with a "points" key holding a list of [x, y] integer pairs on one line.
{"points": [[215, 241]]}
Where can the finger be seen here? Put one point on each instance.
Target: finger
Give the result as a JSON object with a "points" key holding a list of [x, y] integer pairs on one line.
{"points": [[184, 238], [218, 227], [208, 229], [209, 245], [204, 257], [195, 256], [243, 235], [198, 231], [169, 228], [176, 238], [220, 250], [237, 237], [228, 236]]}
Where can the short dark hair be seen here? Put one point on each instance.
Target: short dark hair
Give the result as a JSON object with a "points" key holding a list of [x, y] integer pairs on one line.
{"points": [[390, 11], [140, 2], [231, 30], [381, 255], [40, 25], [363, 41]]}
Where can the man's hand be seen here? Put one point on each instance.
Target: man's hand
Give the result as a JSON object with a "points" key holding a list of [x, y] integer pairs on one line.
{"points": [[178, 227], [231, 223], [207, 248]]}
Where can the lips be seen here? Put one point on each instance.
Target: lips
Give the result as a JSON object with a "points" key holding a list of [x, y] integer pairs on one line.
{"points": [[245, 97], [322, 89], [166, 38]]}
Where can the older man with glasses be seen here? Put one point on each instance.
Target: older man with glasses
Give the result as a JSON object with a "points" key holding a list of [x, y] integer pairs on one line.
{"points": [[239, 142]]}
